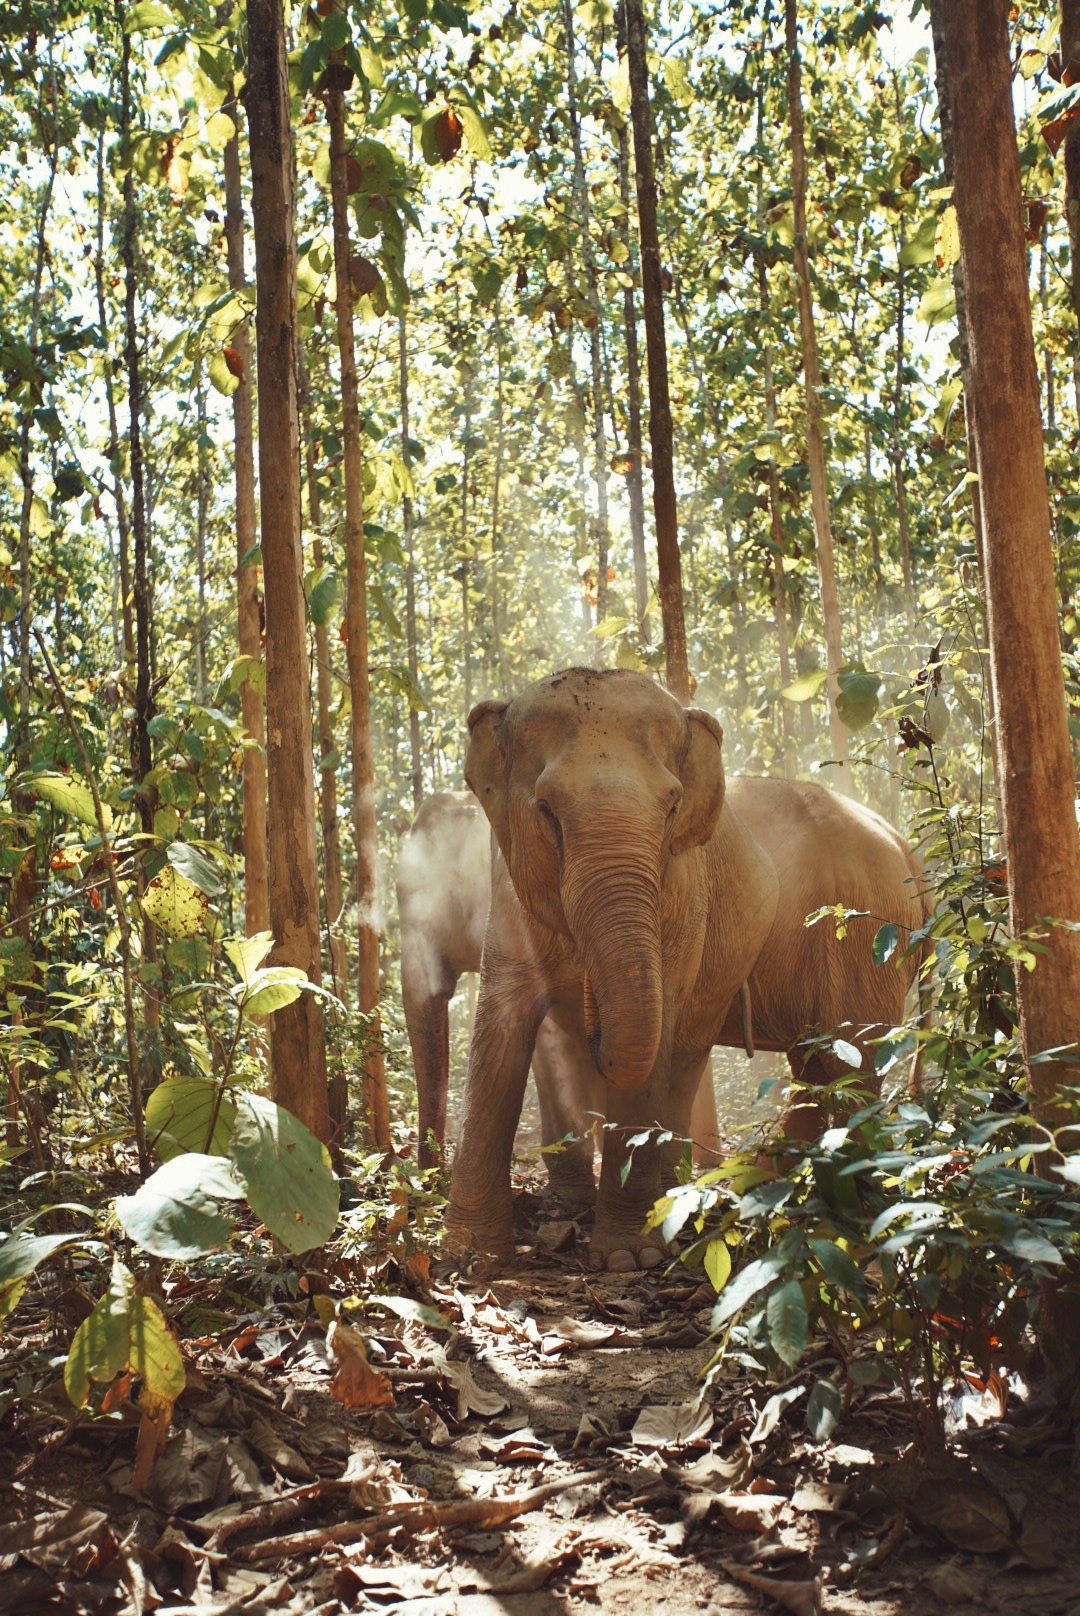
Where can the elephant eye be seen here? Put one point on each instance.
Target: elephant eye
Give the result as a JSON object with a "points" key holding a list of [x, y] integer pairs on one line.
{"points": [[548, 816]]}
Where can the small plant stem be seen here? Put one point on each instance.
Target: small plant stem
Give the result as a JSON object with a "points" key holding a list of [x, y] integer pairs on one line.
{"points": [[122, 921]]}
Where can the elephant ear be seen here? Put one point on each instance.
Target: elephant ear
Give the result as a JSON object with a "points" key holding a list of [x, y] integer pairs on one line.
{"points": [[702, 775], [485, 768]]}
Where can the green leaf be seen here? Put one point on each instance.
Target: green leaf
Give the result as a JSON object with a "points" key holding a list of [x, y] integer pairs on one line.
{"points": [[336, 32], [270, 989], [287, 1172], [248, 953], [472, 126], [20, 1254], [179, 1113], [148, 15], [99, 1347], [788, 1322], [806, 687], [823, 1409], [838, 1267], [718, 1263], [847, 1053], [857, 697], [68, 795], [221, 377], [746, 1285], [219, 130], [174, 903], [885, 942], [196, 868], [175, 1213], [153, 1353], [324, 595]]}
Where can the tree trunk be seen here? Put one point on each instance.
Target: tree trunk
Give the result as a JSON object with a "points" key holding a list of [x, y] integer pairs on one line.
{"points": [[202, 512], [333, 886], [143, 704], [248, 616], [635, 468], [1069, 50], [376, 1116], [660, 431], [815, 447], [123, 582], [298, 1045], [416, 766], [1035, 761], [496, 495], [602, 534]]}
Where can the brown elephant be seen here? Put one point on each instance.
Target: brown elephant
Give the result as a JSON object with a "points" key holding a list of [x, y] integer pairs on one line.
{"points": [[636, 894], [444, 894]]}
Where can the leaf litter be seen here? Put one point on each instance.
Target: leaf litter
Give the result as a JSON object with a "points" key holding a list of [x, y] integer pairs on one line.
{"points": [[545, 1437]]}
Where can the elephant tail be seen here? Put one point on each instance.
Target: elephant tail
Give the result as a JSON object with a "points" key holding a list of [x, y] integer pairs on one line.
{"points": [[747, 1009]]}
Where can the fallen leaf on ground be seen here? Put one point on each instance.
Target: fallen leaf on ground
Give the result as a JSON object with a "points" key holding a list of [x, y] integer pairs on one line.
{"points": [[574, 1333], [355, 1383], [672, 1425], [276, 1451], [470, 1398], [750, 1512], [801, 1597]]}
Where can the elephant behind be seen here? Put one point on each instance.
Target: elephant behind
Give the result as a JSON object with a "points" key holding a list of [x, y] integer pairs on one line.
{"points": [[635, 896], [444, 894]]}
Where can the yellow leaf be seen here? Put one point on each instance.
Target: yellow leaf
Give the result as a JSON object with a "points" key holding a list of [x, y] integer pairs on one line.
{"points": [[947, 239]]}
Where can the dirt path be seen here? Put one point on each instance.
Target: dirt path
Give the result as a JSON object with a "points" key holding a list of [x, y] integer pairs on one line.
{"points": [[535, 1444]]}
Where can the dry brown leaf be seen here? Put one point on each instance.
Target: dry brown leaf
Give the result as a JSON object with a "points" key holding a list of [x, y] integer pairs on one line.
{"points": [[966, 1511], [265, 1440], [470, 1398], [672, 1425], [355, 1383], [54, 1541], [952, 1585], [820, 1497], [751, 1512], [156, 1416], [801, 1597], [570, 1332], [431, 1427]]}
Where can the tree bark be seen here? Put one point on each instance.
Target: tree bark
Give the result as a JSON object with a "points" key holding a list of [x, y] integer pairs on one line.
{"points": [[815, 446], [635, 460], [333, 885], [298, 1045], [665, 509], [1034, 755], [376, 1118], [123, 582], [1069, 50], [416, 764], [248, 616]]}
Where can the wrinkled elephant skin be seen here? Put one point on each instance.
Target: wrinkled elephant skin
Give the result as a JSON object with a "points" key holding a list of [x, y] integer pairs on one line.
{"points": [[635, 894], [444, 895]]}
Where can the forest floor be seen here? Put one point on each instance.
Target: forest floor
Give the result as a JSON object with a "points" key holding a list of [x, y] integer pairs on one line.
{"points": [[535, 1443]]}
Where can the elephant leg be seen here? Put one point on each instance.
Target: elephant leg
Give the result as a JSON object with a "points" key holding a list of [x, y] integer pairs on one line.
{"points": [[427, 1016], [806, 1117], [619, 1241], [568, 1087], [704, 1125], [480, 1213]]}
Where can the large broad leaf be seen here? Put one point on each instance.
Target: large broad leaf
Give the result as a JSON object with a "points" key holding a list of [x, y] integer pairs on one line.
{"points": [[19, 1256], [290, 1184], [201, 871], [718, 1263], [753, 1278], [176, 1214], [806, 687], [270, 989], [248, 953], [69, 796], [124, 1332], [149, 15], [857, 697], [179, 1115], [174, 903], [788, 1322], [886, 939]]}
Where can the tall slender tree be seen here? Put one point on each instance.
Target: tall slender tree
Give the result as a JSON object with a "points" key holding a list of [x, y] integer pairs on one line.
{"points": [[375, 1105], [248, 612], [1032, 739], [665, 509], [298, 1044]]}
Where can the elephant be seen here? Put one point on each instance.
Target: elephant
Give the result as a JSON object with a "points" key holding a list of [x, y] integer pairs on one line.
{"points": [[444, 894], [637, 893]]}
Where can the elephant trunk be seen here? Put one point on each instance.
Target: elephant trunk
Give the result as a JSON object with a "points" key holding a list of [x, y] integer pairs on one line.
{"points": [[613, 914]]}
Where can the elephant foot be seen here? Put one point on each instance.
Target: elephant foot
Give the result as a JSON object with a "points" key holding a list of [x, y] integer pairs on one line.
{"points": [[621, 1253], [461, 1235]]}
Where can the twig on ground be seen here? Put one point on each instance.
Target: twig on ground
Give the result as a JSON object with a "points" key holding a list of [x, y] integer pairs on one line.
{"points": [[418, 1516]]}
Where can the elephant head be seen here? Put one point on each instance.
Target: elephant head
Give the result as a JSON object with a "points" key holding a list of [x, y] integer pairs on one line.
{"points": [[598, 786]]}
